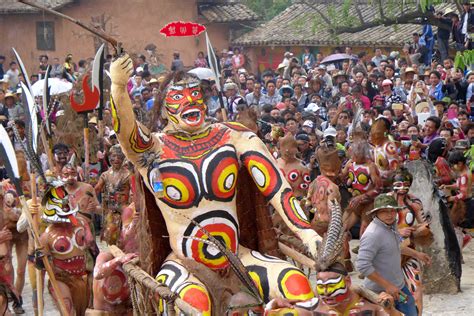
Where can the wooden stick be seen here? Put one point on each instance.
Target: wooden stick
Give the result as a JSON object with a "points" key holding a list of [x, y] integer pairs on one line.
{"points": [[94, 31], [295, 255], [86, 148], [47, 148], [371, 296], [47, 265], [146, 280], [35, 216]]}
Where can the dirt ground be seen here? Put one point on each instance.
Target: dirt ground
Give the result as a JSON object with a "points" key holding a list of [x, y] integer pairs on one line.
{"points": [[437, 304]]}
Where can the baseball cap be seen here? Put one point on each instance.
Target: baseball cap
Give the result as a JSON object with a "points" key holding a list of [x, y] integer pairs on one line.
{"points": [[139, 69], [330, 131], [303, 137], [387, 82], [313, 107], [308, 123]]}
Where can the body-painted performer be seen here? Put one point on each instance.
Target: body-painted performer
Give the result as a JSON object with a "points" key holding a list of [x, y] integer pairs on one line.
{"points": [[462, 210], [82, 198], [6, 266], [66, 240], [364, 182], [110, 288], [81, 195], [436, 154], [192, 168], [11, 210], [333, 284], [386, 155], [324, 189], [115, 186], [296, 173], [61, 158], [412, 226]]}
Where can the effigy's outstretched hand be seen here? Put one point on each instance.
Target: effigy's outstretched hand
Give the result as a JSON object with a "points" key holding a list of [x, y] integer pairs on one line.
{"points": [[121, 69]]}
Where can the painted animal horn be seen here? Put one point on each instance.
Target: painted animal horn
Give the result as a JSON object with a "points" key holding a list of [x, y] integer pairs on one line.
{"points": [[333, 241]]}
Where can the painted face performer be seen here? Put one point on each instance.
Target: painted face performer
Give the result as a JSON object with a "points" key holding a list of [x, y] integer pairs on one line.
{"points": [[81, 195], [296, 173], [66, 239], [11, 214], [115, 183], [386, 156], [192, 169], [413, 227], [437, 153], [6, 266], [110, 287], [363, 179], [324, 189]]}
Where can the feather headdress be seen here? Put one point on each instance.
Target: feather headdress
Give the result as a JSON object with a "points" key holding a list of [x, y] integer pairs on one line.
{"points": [[330, 250]]}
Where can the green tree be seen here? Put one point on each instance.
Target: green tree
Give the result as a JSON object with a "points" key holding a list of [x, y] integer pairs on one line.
{"points": [[346, 16], [268, 8]]}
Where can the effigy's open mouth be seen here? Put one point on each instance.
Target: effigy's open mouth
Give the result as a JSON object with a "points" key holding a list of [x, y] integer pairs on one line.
{"points": [[192, 116]]}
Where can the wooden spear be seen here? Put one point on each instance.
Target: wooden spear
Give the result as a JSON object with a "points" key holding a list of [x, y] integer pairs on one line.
{"points": [[35, 216], [7, 153]]}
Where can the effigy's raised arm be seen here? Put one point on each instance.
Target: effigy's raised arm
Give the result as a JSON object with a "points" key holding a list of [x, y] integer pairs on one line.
{"points": [[272, 184], [134, 138]]}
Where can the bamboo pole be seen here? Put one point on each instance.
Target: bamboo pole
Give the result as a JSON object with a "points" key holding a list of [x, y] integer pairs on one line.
{"points": [[86, 148], [47, 265], [47, 148], [295, 255], [146, 280], [371, 296], [39, 274]]}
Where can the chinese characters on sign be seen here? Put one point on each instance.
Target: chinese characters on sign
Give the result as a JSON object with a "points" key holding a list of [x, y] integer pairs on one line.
{"points": [[182, 29]]}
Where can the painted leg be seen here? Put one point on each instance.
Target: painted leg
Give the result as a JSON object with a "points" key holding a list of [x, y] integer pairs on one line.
{"points": [[187, 286], [66, 294], [32, 277], [277, 278], [21, 248]]}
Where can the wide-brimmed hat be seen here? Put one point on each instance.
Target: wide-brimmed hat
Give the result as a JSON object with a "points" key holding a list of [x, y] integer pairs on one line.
{"points": [[340, 74], [286, 88], [10, 95], [230, 86], [444, 101], [384, 201], [407, 71], [449, 11], [462, 144], [421, 105], [153, 80], [410, 69]]}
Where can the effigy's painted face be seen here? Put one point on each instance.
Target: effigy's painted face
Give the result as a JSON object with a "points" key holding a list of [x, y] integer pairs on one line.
{"points": [[184, 105], [332, 288]]}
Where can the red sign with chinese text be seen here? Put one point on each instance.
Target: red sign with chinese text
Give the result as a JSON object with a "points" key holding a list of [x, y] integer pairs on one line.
{"points": [[182, 29]]}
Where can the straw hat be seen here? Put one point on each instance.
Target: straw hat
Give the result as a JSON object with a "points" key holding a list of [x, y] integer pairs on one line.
{"points": [[421, 106]]}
